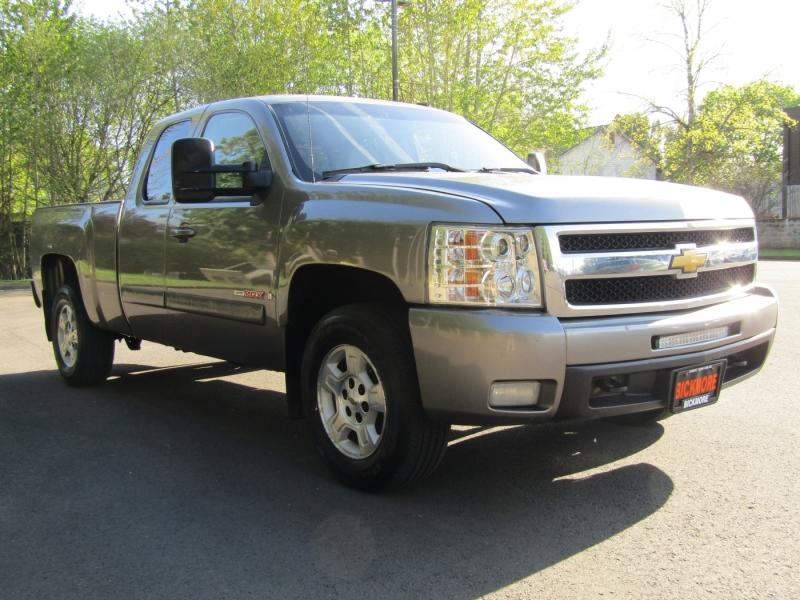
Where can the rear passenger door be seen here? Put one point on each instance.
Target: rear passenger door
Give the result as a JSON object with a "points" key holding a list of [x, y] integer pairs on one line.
{"points": [[220, 278]]}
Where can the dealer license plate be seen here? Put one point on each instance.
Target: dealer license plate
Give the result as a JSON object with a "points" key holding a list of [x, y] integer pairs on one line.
{"points": [[696, 386]]}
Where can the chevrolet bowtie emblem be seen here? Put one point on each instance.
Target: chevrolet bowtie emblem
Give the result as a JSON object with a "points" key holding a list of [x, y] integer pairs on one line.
{"points": [[688, 261]]}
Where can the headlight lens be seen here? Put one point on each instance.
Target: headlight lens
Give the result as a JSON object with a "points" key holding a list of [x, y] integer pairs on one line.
{"points": [[489, 266]]}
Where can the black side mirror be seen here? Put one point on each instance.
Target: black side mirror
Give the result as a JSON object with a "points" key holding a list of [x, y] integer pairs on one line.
{"points": [[194, 174], [192, 177]]}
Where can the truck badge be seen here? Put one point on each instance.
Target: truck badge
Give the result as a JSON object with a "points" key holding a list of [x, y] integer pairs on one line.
{"points": [[688, 261], [252, 294]]}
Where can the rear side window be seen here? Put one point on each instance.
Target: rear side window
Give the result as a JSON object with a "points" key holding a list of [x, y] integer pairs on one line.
{"points": [[158, 187]]}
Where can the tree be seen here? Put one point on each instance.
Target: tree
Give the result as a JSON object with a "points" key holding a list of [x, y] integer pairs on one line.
{"points": [[504, 65], [694, 58], [734, 144], [738, 139], [35, 45], [79, 95], [80, 98], [730, 139]]}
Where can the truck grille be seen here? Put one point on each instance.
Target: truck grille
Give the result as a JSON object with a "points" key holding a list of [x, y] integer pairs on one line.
{"points": [[652, 240], [626, 268], [632, 290]]}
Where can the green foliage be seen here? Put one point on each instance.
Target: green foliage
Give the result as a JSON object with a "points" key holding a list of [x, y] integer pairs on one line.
{"points": [[732, 139], [734, 143], [646, 136], [504, 65], [79, 95], [738, 139], [783, 253]]}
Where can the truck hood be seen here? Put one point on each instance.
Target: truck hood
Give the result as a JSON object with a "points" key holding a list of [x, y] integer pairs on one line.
{"points": [[544, 199]]}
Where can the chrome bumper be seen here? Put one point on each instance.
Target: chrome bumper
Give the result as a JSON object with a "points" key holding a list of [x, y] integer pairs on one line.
{"points": [[460, 353]]}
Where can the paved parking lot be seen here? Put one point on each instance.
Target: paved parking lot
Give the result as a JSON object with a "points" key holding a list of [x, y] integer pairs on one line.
{"points": [[182, 478]]}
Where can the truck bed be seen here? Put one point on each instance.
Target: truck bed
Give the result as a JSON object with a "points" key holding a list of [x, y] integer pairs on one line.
{"points": [[87, 233]]}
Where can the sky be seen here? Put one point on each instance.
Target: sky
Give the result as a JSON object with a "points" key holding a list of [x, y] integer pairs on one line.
{"points": [[754, 38]]}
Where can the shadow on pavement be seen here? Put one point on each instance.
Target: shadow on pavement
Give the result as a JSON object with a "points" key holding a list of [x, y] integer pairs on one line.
{"points": [[173, 483]]}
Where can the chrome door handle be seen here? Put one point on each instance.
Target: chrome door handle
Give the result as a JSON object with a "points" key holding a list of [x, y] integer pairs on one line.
{"points": [[183, 233]]}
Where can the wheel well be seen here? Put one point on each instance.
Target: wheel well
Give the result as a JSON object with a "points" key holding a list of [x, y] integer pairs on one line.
{"points": [[57, 270], [316, 290]]}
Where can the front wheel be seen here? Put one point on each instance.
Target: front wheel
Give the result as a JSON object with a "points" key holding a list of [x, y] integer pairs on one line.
{"points": [[361, 397], [84, 354]]}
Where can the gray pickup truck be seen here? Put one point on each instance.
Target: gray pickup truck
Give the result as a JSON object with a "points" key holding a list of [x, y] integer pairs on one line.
{"points": [[406, 271]]}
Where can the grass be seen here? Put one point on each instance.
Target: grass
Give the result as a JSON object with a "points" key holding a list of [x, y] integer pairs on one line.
{"points": [[791, 253], [14, 284]]}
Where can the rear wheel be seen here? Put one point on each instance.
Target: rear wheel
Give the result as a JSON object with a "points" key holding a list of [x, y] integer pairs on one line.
{"points": [[361, 396], [84, 354]]}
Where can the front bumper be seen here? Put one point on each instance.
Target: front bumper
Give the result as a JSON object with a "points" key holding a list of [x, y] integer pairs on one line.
{"points": [[459, 354]]}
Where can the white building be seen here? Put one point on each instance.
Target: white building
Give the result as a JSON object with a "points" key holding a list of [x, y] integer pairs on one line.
{"points": [[607, 154]]}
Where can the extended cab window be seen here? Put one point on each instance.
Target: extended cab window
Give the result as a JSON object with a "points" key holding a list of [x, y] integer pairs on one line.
{"points": [[158, 186], [236, 140]]}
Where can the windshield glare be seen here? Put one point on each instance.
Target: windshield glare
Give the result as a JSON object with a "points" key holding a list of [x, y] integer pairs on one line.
{"points": [[345, 135]]}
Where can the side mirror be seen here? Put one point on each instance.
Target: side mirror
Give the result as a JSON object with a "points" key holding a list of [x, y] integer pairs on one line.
{"points": [[192, 177], [194, 174], [537, 162]]}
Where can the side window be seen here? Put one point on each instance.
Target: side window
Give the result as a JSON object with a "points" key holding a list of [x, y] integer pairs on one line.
{"points": [[158, 187], [236, 140]]}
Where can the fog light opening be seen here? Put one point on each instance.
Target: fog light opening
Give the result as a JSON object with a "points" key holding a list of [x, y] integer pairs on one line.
{"points": [[612, 384]]}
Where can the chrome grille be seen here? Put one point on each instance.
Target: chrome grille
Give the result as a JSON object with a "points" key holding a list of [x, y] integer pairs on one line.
{"points": [[594, 270]]}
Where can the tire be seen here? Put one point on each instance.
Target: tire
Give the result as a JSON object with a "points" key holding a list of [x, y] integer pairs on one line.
{"points": [[84, 354], [359, 382]]}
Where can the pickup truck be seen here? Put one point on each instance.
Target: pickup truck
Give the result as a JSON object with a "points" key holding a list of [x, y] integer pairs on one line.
{"points": [[406, 271]]}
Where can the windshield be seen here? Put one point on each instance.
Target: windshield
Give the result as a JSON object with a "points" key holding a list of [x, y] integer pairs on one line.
{"points": [[331, 136]]}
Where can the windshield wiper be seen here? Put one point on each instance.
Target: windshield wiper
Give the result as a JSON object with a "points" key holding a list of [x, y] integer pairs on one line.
{"points": [[507, 170], [378, 167]]}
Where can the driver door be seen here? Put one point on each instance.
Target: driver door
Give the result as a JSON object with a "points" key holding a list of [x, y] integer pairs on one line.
{"points": [[221, 255]]}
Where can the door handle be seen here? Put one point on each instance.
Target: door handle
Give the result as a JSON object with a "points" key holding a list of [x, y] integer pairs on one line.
{"points": [[183, 233]]}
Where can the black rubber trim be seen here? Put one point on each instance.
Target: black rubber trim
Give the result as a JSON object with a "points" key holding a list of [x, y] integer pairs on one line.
{"points": [[572, 243], [656, 288], [578, 380]]}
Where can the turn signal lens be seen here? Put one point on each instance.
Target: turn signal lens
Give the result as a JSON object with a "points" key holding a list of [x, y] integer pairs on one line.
{"points": [[494, 266]]}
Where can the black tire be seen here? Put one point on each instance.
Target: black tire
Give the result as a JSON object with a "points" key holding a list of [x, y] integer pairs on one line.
{"points": [[411, 445], [89, 361], [641, 418]]}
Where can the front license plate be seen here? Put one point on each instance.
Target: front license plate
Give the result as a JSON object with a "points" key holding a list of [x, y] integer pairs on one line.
{"points": [[696, 386]]}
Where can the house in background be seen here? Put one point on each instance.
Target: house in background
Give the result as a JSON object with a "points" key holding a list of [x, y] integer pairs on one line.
{"points": [[606, 153]]}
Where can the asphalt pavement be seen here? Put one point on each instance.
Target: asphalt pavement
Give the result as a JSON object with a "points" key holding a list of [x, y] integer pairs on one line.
{"points": [[182, 477]]}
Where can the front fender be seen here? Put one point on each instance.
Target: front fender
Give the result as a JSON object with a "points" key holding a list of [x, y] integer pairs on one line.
{"points": [[373, 228]]}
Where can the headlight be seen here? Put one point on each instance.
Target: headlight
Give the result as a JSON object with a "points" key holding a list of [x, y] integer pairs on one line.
{"points": [[489, 266]]}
